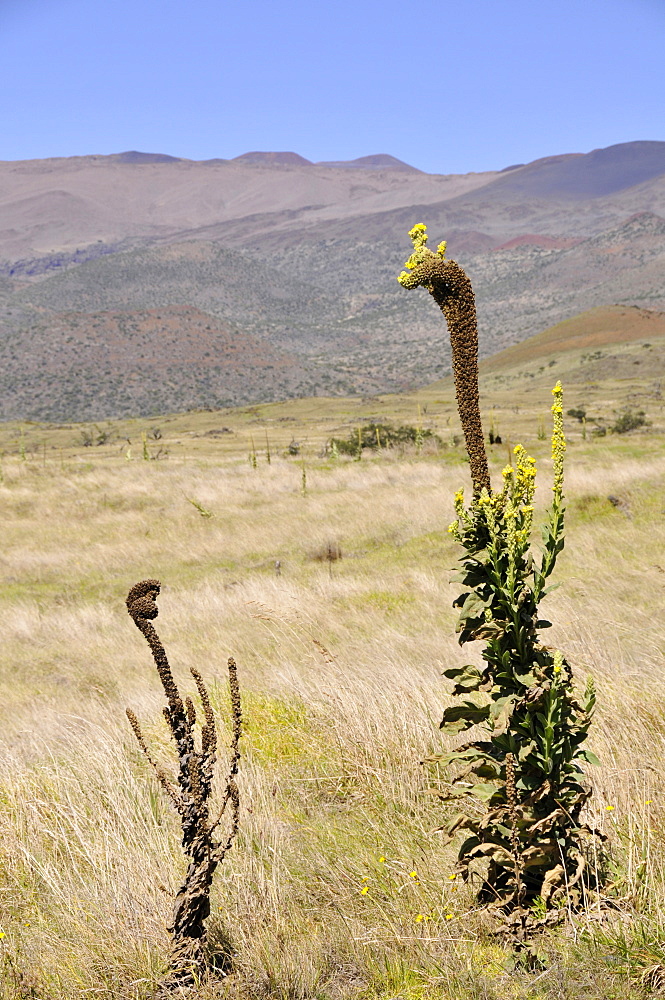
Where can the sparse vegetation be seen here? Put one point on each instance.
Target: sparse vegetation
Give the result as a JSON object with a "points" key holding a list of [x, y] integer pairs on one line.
{"points": [[374, 436], [629, 420], [343, 692]]}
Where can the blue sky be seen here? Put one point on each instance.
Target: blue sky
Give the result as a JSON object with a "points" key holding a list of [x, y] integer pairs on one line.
{"points": [[447, 86]]}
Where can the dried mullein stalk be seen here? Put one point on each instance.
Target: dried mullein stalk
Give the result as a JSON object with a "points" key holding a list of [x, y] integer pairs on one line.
{"points": [[191, 792], [449, 286]]}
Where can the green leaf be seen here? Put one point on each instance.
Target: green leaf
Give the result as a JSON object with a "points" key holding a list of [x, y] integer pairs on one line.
{"points": [[473, 606], [468, 677], [457, 718], [589, 756], [483, 791]]}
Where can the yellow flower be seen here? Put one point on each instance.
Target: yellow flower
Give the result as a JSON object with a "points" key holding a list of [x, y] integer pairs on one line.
{"points": [[413, 874], [558, 441], [452, 877], [382, 858], [441, 249], [609, 808], [420, 918], [449, 916], [364, 890]]}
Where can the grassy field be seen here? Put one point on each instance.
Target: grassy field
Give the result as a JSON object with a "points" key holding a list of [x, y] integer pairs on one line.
{"points": [[339, 884]]}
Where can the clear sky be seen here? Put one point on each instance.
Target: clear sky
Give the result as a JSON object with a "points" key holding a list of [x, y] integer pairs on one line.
{"points": [[447, 85]]}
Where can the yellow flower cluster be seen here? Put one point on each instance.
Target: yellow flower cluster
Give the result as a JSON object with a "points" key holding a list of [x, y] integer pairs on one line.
{"points": [[418, 236], [558, 441], [525, 479]]}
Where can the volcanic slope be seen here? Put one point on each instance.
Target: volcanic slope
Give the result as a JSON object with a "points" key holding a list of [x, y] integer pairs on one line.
{"points": [[122, 362], [610, 360], [318, 284]]}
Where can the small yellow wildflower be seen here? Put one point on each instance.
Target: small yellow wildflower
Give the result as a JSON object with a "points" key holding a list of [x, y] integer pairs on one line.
{"points": [[449, 916], [609, 808], [420, 917], [364, 890], [382, 859], [413, 874], [452, 877], [365, 878], [2, 934], [441, 249], [648, 802]]}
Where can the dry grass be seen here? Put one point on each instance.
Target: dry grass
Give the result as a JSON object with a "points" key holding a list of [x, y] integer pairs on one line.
{"points": [[340, 663]]}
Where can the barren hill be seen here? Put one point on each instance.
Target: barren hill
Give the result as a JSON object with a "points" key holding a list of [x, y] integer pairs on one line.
{"points": [[88, 366], [297, 262], [597, 328]]}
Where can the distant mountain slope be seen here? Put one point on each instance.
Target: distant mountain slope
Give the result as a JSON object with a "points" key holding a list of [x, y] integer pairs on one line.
{"points": [[90, 366], [599, 327], [379, 161], [273, 159], [302, 258], [590, 175], [51, 206]]}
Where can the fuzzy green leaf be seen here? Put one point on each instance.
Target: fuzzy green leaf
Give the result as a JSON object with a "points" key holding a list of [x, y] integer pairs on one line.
{"points": [[457, 718], [468, 677], [483, 791]]}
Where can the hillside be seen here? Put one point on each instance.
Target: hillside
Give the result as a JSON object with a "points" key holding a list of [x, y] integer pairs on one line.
{"points": [[602, 327], [303, 257], [94, 365]]}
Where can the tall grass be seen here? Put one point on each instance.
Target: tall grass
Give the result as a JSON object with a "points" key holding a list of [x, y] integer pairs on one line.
{"points": [[344, 688]]}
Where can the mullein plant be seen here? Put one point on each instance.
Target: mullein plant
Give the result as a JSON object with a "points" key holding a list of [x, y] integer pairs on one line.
{"points": [[525, 767], [190, 792]]}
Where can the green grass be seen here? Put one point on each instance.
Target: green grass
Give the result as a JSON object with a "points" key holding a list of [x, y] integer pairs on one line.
{"points": [[341, 669]]}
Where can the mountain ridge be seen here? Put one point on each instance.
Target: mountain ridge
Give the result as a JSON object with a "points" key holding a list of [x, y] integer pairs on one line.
{"points": [[302, 259]]}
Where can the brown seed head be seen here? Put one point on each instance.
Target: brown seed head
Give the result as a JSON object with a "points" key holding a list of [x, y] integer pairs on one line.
{"points": [[141, 599]]}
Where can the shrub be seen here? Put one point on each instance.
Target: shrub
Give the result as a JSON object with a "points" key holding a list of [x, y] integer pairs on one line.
{"points": [[578, 413], [629, 420], [377, 435]]}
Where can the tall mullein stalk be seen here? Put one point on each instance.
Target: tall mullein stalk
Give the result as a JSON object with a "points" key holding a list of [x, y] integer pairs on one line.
{"points": [[190, 792], [451, 289], [527, 767]]}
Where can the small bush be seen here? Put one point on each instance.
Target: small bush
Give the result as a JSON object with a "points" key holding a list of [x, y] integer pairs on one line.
{"points": [[629, 420], [578, 413], [375, 436]]}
